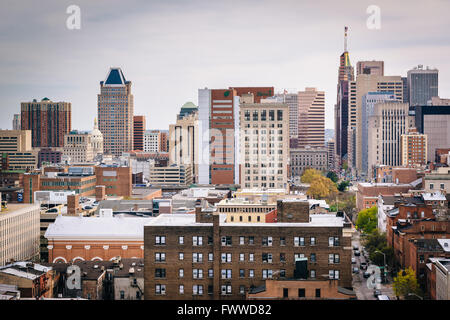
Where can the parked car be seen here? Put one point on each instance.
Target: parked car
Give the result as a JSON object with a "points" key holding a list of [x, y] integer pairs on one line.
{"points": [[355, 248], [52, 210], [88, 208], [383, 297], [357, 253], [363, 265], [353, 260], [355, 270], [366, 274], [376, 293]]}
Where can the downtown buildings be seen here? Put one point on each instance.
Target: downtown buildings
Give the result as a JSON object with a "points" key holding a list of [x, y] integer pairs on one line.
{"points": [[115, 113], [423, 85], [48, 121]]}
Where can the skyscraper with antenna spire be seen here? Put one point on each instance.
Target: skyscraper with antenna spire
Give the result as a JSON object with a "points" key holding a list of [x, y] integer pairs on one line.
{"points": [[345, 74]]}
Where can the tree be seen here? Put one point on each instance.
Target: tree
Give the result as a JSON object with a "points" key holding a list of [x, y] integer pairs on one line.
{"points": [[332, 176], [367, 219], [405, 283], [343, 185], [322, 187], [310, 175]]}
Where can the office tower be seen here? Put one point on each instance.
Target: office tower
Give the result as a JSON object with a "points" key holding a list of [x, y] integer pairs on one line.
{"points": [[434, 121], [115, 113], [386, 125], [264, 145], [331, 148], [423, 85], [345, 74], [183, 142], [369, 100], [151, 141], [370, 67], [363, 84], [218, 120], [48, 121], [16, 122], [414, 148], [405, 90], [16, 150], [138, 132], [311, 123], [290, 99]]}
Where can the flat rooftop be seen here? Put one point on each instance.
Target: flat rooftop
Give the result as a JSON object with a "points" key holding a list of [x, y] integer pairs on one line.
{"points": [[188, 220]]}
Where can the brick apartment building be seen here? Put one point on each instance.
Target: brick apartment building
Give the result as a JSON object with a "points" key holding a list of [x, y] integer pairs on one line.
{"points": [[138, 132], [202, 257], [367, 193]]}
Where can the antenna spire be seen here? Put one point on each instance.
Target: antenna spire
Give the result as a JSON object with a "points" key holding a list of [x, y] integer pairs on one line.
{"points": [[345, 38]]}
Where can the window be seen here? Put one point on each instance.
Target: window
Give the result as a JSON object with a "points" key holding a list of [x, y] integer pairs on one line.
{"points": [[241, 273], [282, 241], [251, 240], [181, 289], [197, 257], [181, 240], [197, 241], [210, 289], [442, 186], [160, 273], [197, 290], [210, 273], [160, 257], [313, 241], [210, 240], [122, 294], [226, 289], [333, 241], [241, 257], [197, 273], [313, 257], [160, 240], [181, 273], [251, 273], [313, 274], [317, 293], [226, 241], [242, 290], [180, 256], [333, 274], [285, 292], [267, 273], [431, 185], [226, 257], [210, 256], [160, 289], [282, 257], [241, 240], [251, 257], [226, 273], [267, 241], [301, 292], [299, 241], [267, 257]]}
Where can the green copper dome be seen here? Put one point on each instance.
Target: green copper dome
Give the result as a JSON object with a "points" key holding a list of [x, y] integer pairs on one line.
{"points": [[189, 105]]}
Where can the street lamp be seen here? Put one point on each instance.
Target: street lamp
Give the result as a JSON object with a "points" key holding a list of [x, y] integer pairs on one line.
{"points": [[384, 256]]}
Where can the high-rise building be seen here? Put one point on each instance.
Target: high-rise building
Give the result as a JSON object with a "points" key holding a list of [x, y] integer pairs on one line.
{"points": [[16, 150], [423, 85], [115, 113], [369, 100], [386, 125], [48, 121], [183, 142], [152, 141], [290, 99], [434, 121], [16, 122], [264, 145], [331, 148], [311, 115], [138, 132], [345, 74], [218, 116], [370, 67], [414, 148], [363, 84]]}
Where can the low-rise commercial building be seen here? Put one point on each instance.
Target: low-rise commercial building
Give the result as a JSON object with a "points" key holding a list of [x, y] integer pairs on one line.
{"points": [[178, 175], [308, 158]]}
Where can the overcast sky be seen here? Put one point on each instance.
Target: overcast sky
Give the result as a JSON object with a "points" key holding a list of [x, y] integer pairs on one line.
{"points": [[171, 48]]}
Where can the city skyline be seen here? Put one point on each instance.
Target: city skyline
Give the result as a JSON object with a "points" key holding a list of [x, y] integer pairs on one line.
{"points": [[45, 59]]}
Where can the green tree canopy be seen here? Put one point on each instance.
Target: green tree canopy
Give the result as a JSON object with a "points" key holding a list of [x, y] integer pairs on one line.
{"points": [[342, 186], [367, 219], [332, 176]]}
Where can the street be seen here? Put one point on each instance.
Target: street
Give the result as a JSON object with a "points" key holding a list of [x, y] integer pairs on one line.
{"points": [[364, 287]]}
